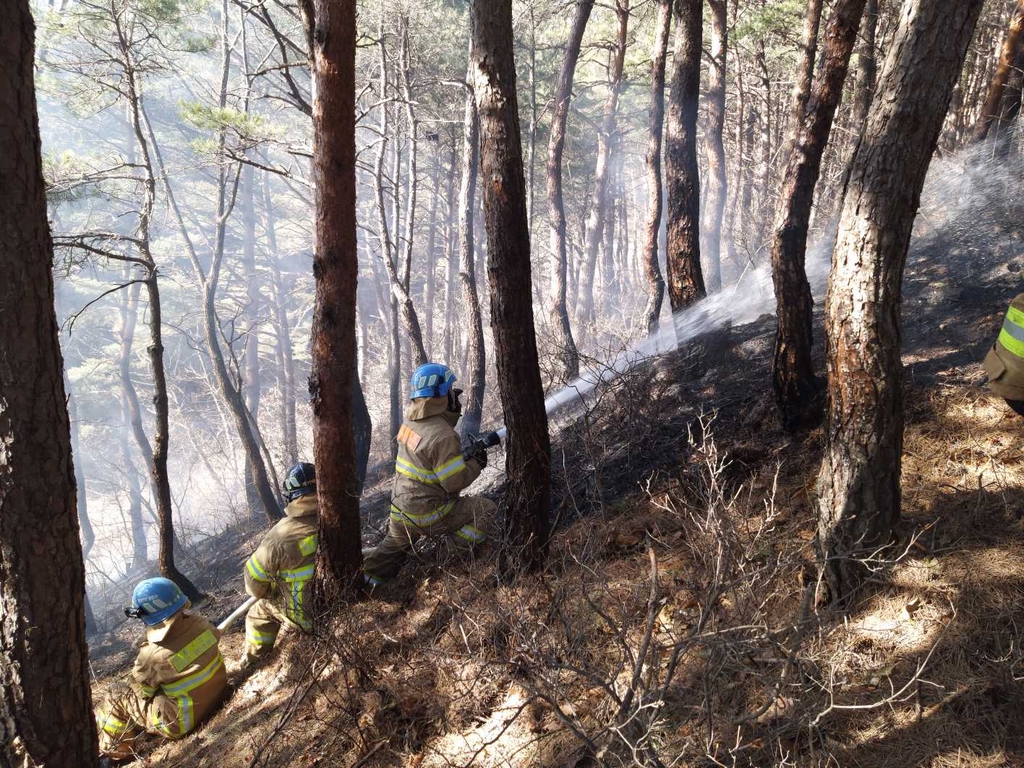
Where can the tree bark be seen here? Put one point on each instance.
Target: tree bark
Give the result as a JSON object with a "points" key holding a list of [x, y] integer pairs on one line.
{"points": [[252, 389], [45, 702], [715, 142], [656, 113], [991, 117], [451, 270], [335, 270], [859, 486], [606, 140], [867, 65], [793, 369], [685, 279], [430, 258], [467, 269], [804, 79], [568, 356], [528, 450], [132, 419]]}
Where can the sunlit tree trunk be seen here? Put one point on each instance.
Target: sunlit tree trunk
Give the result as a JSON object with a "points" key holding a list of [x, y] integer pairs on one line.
{"points": [[1013, 44], [715, 143], [44, 668], [793, 370], [652, 231], [685, 279], [335, 270], [252, 388], [568, 357], [467, 270], [859, 486], [867, 66], [528, 462]]}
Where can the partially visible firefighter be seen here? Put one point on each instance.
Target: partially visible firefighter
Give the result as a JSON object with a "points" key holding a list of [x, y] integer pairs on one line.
{"points": [[178, 678], [430, 472], [280, 572], [1004, 363]]}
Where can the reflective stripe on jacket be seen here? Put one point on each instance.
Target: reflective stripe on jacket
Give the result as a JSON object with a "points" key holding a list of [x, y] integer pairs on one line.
{"points": [[184, 665], [1005, 361], [430, 470], [282, 566]]}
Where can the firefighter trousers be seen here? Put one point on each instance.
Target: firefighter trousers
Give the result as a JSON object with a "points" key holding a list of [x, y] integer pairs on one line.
{"points": [[466, 524], [125, 715]]}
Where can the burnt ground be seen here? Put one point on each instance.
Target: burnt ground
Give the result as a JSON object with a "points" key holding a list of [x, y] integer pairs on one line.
{"points": [[681, 464]]}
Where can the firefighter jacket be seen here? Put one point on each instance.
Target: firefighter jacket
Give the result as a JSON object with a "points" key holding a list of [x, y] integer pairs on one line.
{"points": [[1005, 361], [281, 568], [180, 666], [430, 470]]}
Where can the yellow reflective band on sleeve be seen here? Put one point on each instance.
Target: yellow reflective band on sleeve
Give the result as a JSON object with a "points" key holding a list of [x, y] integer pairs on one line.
{"points": [[113, 726], [308, 545], [148, 691], [1012, 334], [450, 468], [187, 655], [255, 569], [409, 469], [260, 638]]}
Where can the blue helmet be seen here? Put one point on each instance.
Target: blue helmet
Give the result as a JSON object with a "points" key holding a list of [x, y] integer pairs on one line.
{"points": [[431, 380], [301, 480], [155, 600]]}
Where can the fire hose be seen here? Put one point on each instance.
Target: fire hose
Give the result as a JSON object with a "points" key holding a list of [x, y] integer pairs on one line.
{"points": [[236, 614]]}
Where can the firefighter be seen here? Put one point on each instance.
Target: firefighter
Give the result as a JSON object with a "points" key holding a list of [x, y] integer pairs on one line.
{"points": [[178, 677], [430, 471], [280, 572], [1004, 363]]}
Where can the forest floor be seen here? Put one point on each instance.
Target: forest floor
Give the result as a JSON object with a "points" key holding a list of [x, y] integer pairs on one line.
{"points": [[685, 538]]}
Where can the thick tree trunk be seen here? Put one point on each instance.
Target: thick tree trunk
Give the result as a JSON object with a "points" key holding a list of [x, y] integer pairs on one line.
{"points": [[859, 486], [467, 270], [568, 356], [685, 279], [715, 142], [598, 216], [867, 65], [336, 270], [991, 119], [793, 370], [528, 462], [44, 667], [652, 231]]}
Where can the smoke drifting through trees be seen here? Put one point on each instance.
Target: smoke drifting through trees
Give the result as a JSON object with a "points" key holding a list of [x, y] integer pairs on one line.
{"points": [[411, 113]]}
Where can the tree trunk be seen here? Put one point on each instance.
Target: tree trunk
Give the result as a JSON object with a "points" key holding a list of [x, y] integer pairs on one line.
{"points": [[859, 486], [132, 419], [599, 198], [81, 501], [528, 450], [450, 267], [362, 428], [685, 279], [804, 79], [44, 667], [652, 231], [1013, 44], [336, 270], [715, 142], [866, 65], [430, 258], [793, 369], [568, 357], [252, 348], [282, 331], [467, 270]]}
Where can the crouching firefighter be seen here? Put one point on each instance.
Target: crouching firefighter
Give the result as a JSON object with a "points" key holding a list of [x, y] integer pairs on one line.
{"points": [[430, 471], [178, 677], [1004, 363], [280, 571]]}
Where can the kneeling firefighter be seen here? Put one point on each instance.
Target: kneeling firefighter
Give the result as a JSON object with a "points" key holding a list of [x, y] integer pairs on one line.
{"points": [[178, 677], [1004, 363], [279, 573], [430, 471]]}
